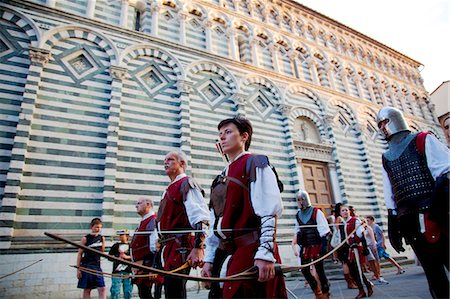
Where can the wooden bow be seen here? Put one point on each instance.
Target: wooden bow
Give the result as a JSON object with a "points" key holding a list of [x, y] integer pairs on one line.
{"points": [[250, 274]]}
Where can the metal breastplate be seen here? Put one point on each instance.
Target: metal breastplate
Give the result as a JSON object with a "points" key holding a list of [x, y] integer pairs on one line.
{"points": [[308, 235], [411, 180]]}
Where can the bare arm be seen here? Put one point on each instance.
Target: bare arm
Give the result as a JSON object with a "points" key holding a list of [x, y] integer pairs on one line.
{"points": [[79, 255]]}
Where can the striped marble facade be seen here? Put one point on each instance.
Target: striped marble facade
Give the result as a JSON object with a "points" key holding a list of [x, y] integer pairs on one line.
{"points": [[93, 94]]}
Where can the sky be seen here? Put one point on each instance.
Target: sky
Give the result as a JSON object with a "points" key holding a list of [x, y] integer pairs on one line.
{"points": [[419, 29]]}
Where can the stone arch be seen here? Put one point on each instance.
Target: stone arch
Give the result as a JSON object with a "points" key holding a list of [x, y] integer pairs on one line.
{"points": [[301, 47], [295, 88], [193, 8], [217, 15], [414, 126], [255, 79], [50, 38], [264, 34], [25, 23], [243, 26], [334, 105], [210, 66], [301, 111], [132, 52]]}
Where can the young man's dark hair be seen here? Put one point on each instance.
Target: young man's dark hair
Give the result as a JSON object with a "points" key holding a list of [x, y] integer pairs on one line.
{"points": [[371, 217], [243, 125], [96, 221]]}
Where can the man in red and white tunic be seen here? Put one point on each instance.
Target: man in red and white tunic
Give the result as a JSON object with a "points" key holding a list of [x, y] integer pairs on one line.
{"points": [[182, 209], [143, 244], [244, 224]]}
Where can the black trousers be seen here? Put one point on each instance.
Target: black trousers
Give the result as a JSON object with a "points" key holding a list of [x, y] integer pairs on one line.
{"points": [[324, 285], [435, 261], [145, 291], [215, 292], [175, 287], [354, 272]]}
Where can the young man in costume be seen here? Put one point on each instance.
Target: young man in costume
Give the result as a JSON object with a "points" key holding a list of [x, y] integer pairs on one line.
{"points": [[182, 208], [87, 259], [143, 245], [311, 230], [244, 217], [415, 181]]}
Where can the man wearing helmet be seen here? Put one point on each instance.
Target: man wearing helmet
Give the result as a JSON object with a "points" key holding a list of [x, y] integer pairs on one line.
{"points": [[311, 230], [415, 178]]}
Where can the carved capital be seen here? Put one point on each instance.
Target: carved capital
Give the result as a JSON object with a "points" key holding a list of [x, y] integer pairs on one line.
{"points": [[285, 109], [182, 15], [240, 99], [184, 86], [155, 8], [39, 56], [118, 72], [208, 24]]}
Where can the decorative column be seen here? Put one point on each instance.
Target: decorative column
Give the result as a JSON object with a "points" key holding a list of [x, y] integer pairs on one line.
{"points": [[146, 17], [327, 70], [183, 16], [380, 88], [90, 10], [124, 13], [109, 182], [334, 181], [38, 58], [358, 82], [274, 48], [155, 18], [232, 37], [185, 88], [313, 67], [51, 3], [208, 25], [343, 74], [240, 101], [369, 85], [293, 59], [253, 45], [285, 110]]}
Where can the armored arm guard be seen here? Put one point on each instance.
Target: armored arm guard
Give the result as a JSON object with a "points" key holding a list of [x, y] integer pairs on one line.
{"points": [[199, 235], [395, 236]]}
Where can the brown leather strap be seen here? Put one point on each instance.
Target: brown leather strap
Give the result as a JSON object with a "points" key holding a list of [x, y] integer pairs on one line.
{"points": [[234, 180], [231, 245]]}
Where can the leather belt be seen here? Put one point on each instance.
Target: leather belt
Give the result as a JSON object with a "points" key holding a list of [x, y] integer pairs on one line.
{"points": [[230, 245]]}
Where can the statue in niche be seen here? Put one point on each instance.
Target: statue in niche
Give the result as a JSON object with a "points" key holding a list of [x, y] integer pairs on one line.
{"points": [[304, 130]]}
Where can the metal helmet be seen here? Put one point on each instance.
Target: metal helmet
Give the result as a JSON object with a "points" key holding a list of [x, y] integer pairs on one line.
{"points": [[303, 199], [395, 121]]}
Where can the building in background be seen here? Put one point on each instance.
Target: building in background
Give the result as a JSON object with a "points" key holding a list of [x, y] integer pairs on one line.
{"points": [[440, 98], [93, 93]]}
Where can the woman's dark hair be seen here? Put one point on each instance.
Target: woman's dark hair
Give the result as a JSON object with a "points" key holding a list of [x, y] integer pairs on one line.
{"points": [[96, 221], [337, 209], [243, 125]]}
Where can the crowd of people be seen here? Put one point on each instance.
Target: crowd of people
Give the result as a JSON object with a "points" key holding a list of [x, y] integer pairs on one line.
{"points": [[236, 231]]}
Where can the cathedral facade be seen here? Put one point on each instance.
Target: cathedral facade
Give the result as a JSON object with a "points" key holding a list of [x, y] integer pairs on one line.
{"points": [[94, 93]]}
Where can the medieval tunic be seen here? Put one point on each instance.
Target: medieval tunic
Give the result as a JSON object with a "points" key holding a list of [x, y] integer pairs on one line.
{"points": [[311, 227], [143, 247], [181, 212], [311, 236], [247, 212], [409, 177]]}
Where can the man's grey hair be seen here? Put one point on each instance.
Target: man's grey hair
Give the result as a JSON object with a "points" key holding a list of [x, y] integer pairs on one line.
{"points": [[147, 200], [181, 156]]}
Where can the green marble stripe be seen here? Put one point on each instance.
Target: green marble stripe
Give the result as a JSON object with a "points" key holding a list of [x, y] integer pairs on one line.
{"points": [[34, 198]]}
